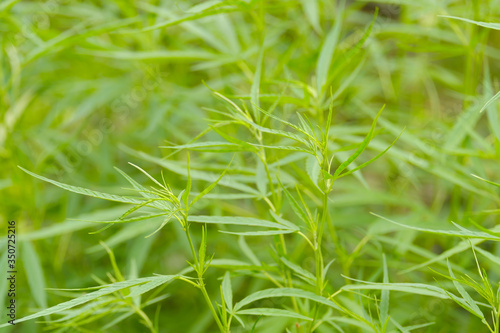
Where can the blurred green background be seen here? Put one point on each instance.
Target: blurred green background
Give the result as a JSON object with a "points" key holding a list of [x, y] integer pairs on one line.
{"points": [[87, 85]]}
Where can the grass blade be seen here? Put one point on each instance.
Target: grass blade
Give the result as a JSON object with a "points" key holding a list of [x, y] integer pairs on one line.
{"points": [[361, 147], [327, 51], [284, 292], [227, 291], [104, 290], [234, 220], [495, 26], [84, 191], [34, 273], [459, 233], [271, 312]]}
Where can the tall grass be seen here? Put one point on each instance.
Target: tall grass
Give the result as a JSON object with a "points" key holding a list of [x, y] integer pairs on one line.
{"points": [[262, 166]]}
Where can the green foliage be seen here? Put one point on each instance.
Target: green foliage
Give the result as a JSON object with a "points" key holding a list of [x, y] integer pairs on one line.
{"points": [[260, 135]]}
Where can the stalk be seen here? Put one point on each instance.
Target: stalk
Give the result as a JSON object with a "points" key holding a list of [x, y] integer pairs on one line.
{"points": [[201, 283], [318, 240], [282, 243], [319, 256]]}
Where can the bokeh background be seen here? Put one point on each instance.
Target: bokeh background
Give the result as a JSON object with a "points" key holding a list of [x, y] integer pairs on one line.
{"points": [[90, 85]]}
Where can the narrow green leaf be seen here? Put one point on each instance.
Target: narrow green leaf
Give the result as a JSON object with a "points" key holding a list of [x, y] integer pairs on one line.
{"points": [[284, 134], [227, 291], [34, 273], [248, 251], [490, 101], [208, 188], [487, 181], [284, 222], [203, 248], [195, 174], [271, 312], [327, 267], [413, 288], [141, 205], [361, 166], [105, 290], [491, 109], [313, 170], [495, 26], [148, 175], [465, 295], [284, 292], [327, 51], [459, 233], [187, 191], [142, 190], [495, 259], [327, 175], [480, 227], [112, 259], [463, 126], [77, 33], [384, 301], [134, 219], [295, 206], [6, 5], [295, 127], [144, 288], [361, 147], [84, 191], [164, 223], [207, 144], [3, 282], [232, 264], [259, 233], [254, 94], [205, 13], [300, 272], [171, 55], [311, 10], [465, 305], [439, 259], [234, 220], [284, 148], [244, 145], [261, 178]]}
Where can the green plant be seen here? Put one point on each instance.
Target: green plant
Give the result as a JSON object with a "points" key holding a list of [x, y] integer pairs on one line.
{"points": [[244, 220], [268, 188]]}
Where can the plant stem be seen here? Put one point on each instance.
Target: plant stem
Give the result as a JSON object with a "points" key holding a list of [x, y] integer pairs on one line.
{"points": [[201, 283], [286, 273], [318, 252]]}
